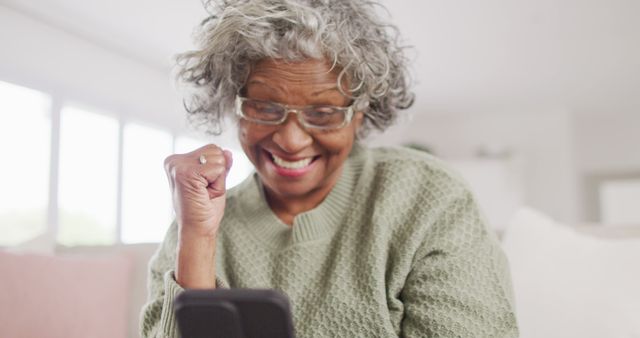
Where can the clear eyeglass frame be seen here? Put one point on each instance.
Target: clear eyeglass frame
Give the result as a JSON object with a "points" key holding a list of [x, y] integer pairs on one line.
{"points": [[298, 110]]}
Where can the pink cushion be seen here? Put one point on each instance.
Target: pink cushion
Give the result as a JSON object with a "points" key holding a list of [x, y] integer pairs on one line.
{"points": [[64, 296]]}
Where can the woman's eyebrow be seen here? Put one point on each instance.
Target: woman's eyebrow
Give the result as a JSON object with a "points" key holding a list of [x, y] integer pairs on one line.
{"points": [[262, 83], [332, 88], [276, 87]]}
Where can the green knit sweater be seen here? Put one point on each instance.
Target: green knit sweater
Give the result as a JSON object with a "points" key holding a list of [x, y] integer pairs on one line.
{"points": [[398, 248]]}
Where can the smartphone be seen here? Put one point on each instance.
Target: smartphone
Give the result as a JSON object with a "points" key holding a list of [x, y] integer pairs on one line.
{"points": [[233, 313]]}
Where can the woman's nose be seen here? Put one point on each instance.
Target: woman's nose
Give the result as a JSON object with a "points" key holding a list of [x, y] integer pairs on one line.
{"points": [[291, 136]]}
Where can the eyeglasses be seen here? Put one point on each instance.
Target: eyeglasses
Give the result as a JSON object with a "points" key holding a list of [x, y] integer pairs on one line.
{"points": [[311, 117]]}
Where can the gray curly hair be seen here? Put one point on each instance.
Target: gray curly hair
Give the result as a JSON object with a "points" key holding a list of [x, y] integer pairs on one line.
{"points": [[238, 33]]}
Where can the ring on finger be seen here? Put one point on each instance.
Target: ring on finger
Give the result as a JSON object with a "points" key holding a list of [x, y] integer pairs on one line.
{"points": [[202, 159]]}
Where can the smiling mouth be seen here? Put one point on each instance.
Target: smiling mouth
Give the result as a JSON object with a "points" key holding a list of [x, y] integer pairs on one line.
{"points": [[292, 165]]}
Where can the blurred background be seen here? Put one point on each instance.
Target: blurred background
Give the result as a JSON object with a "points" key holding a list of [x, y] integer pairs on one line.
{"points": [[549, 89], [536, 103]]}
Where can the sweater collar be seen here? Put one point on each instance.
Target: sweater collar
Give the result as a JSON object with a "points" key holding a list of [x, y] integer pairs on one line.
{"points": [[320, 222]]}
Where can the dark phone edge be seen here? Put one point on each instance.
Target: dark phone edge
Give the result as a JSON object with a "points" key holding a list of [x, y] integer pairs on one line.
{"points": [[203, 297]]}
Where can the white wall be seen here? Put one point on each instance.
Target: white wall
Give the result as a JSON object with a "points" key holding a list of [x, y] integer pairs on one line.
{"points": [[542, 141], [551, 83], [559, 150], [555, 81], [608, 143], [484, 56], [609, 148], [47, 58]]}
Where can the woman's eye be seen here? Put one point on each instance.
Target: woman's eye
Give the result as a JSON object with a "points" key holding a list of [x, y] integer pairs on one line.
{"points": [[324, 116], [265, 108], [320, 112]]}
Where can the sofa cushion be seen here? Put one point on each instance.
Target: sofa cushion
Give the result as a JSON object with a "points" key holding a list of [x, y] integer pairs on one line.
{"points": [[64, 296], [571, 284], [140, 254]]}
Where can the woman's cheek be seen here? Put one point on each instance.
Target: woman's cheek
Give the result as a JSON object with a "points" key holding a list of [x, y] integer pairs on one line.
{"points": [[340, 143], [248, 135]]}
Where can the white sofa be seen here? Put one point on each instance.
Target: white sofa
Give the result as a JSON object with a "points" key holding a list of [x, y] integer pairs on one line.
{"points": [[580, 281]]}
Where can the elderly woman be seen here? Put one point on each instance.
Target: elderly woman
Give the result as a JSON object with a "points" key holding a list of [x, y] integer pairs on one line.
{"points": [[364, 242]]}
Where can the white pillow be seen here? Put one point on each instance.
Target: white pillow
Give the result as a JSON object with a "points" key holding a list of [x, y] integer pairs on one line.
{"points": [[569, 284]]}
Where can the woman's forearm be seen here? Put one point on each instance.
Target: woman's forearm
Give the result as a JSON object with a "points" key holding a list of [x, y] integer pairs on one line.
{"points": [[195, 264]]}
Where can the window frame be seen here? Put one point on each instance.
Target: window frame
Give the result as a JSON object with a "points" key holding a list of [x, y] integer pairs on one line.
{"points": [[58, 102]]}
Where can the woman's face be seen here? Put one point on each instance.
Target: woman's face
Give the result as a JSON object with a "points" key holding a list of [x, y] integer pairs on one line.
{"points": [[294, 162]]}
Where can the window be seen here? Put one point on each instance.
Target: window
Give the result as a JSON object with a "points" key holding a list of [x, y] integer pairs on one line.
{"points": [[146, 200], [88, 178], [186, 144], [107, 184], [241, 168], [25, 142]]}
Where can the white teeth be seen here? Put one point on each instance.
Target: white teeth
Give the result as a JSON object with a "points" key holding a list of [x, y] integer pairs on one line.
{"points": [[291, 165]]}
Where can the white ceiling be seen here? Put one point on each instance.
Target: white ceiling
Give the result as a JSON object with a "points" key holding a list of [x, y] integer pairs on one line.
{"points": [[151, 31], [580, 55]]}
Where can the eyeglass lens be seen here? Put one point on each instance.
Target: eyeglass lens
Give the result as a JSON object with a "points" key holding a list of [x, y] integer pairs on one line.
{"points": [[320, 116]]}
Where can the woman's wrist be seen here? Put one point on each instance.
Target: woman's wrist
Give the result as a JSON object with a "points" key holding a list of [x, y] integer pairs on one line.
{"points": [[195, 263]]}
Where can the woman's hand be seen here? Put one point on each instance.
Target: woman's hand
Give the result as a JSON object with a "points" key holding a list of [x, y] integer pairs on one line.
{"points": [[198, 190], [198, 193]]}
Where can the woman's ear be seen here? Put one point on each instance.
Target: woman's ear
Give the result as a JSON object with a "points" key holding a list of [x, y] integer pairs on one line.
{"points": [[358, 120]]}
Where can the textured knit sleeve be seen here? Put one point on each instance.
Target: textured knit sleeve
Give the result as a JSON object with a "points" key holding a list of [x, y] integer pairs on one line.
{"points": [[158, 320], [459, 284]]}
